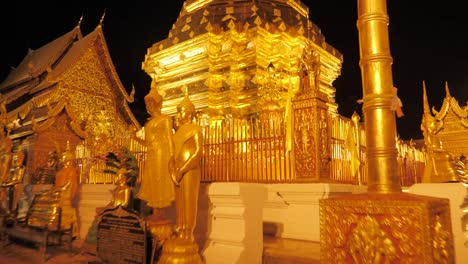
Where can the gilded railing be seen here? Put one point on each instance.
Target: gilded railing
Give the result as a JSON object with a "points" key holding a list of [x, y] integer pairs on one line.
{"points": [[92, 165], [249, 151], [252, 151], [245, 151]]}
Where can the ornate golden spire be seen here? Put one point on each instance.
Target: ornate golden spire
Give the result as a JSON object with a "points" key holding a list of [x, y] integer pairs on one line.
{"points": [[79, 21], [425, 101], [447, 91], [101, 22]]}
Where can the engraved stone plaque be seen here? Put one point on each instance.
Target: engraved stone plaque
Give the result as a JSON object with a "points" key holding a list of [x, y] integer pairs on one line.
{"points": [[121, 237]]}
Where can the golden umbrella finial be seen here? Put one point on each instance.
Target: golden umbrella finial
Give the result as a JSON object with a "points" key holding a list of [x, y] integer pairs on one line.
{"points": [[425, 101], [447, 91], [101, 22], [79, 21]]}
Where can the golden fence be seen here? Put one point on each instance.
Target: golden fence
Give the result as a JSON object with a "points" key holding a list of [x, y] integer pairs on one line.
{"points": [[245, 151], [92, 165], [252, 151]]}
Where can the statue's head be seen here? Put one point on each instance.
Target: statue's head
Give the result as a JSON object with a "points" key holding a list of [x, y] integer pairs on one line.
{"points": [[52, 158], [153, 101], [185, 110], [67, 157]]}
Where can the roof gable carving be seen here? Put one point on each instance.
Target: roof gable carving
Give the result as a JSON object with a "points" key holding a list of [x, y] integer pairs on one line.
{"points": [[84, 74]]}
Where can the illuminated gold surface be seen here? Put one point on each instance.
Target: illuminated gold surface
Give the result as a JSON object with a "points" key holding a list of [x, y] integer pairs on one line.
{"points": [[380, 125], [383, 225], [178, 250], [381, 228], [439, 165], [184, 168], [221, 51], [157, 188], [452, 124], [15, 181], [445, 137], [237, 63]]}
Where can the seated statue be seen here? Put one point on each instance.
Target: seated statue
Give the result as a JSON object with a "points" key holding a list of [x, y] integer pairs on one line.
{"points": [[122, 193], [46, 173], [62, 195]]}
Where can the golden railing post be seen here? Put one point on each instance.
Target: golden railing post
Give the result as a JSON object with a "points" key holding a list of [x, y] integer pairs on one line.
{"points": [[383, 225], [355, 118]]}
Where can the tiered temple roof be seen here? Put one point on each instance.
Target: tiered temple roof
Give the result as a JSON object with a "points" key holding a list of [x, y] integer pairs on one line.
{"points": [[73, 72], [452, 123]]}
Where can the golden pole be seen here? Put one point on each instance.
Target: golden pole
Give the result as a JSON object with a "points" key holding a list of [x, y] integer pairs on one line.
{"points": [[383, 225], [376, 73]]}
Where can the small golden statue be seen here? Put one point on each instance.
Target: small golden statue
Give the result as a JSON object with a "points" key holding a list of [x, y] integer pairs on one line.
{"points": [[121, 195], [6, 145], [46, 173], [439, 165], [185, 170], [15, 183]]}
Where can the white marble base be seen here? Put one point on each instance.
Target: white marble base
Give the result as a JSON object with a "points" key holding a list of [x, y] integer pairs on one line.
{"points": [[91, 196], [455, 192], [292, 210], [235, 233]]}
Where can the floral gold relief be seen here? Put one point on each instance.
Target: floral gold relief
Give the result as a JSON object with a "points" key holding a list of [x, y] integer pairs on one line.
{"points": [[368, 243], [385, 228]]}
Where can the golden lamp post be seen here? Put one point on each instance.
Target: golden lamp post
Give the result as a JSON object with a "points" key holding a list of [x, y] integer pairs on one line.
{"points": [[383, 225]]}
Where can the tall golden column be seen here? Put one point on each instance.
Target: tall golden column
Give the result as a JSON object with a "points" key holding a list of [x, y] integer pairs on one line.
{"points": [[376, 74], [383, 225]]}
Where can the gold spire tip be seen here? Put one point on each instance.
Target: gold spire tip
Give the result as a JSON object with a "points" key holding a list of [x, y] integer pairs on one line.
{"points": [[79, 21], [101, 22]]}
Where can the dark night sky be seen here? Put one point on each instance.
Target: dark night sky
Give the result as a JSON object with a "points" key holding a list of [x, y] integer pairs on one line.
{"points": [[427, 41]]}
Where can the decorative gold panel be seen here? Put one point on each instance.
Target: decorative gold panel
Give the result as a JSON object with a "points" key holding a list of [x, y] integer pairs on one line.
{"points": [[304, 143], [386, 228]]}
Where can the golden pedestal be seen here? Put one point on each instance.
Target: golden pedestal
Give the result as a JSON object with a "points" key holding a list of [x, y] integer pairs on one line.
{"points": [[386, 228], [180, 251]]}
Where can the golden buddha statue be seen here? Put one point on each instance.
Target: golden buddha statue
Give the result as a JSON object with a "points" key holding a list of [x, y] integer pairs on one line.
{"points": [[46, 174], [156, 187], [121, 194], [6, 145], [15, 183], [185, 170], [62, 195]]}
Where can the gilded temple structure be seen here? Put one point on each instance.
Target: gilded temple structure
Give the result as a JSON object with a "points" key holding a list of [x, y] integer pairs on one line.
{"points": [[66, 90], [451, 123], [260, 75], [246, 62]]}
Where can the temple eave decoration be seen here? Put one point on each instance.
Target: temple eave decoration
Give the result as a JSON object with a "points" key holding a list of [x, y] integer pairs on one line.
{"points": [[451, 123]]}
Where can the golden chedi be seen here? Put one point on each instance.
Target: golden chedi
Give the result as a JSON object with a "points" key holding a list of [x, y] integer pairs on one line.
{"points": [[221, 50]]}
